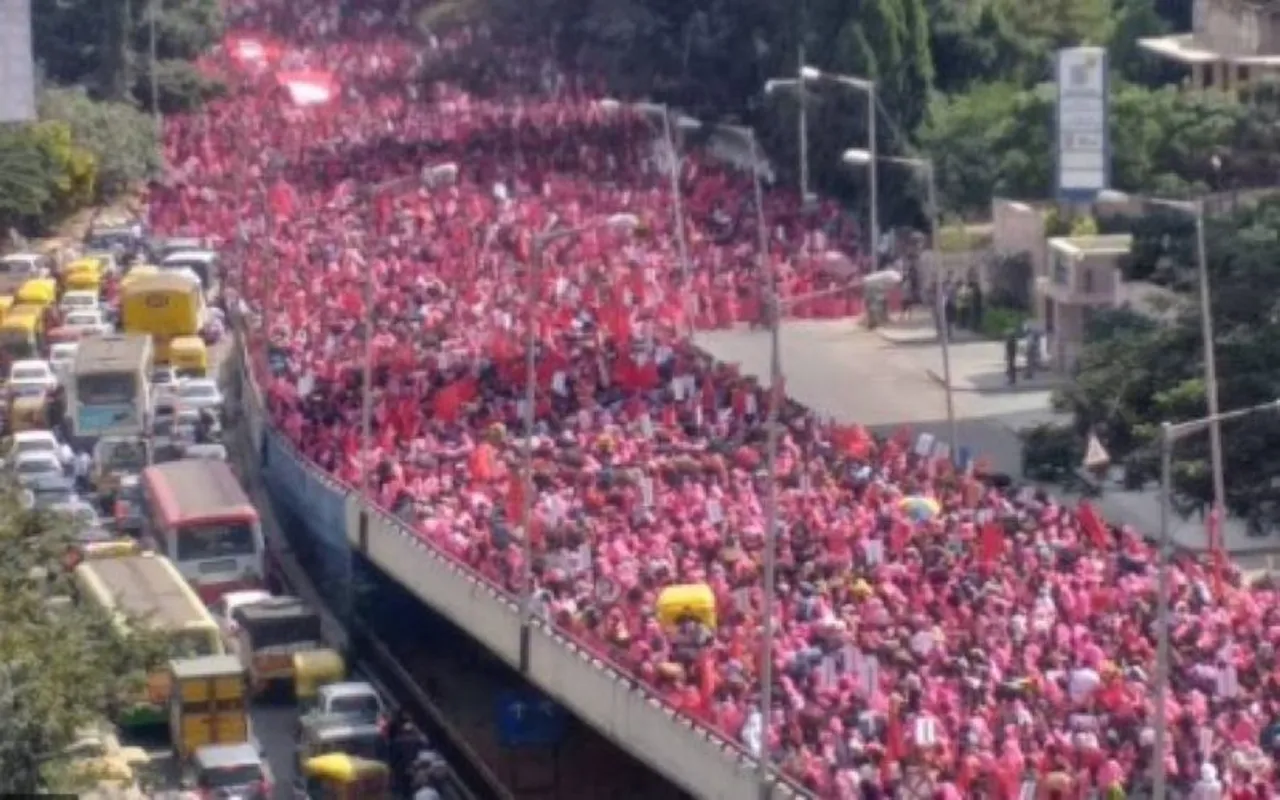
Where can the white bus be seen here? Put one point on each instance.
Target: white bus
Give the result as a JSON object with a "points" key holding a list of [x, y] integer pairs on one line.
{"points": [[109, 393]]}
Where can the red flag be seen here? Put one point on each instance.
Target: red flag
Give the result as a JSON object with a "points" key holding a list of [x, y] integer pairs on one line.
{"points": [[894, 746], [448, 403], [708, 681], [991, 543], [515, 497], [282, 199], [1092, 526]]}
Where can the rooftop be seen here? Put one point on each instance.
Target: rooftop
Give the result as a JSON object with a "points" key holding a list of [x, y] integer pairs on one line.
{"points": [[124, 351]]}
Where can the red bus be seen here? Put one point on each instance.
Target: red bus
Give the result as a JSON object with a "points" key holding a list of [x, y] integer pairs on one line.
{"points": [[201, 518]]}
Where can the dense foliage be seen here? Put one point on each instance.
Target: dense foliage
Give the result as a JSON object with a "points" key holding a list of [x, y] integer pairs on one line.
{"points": [[1136, 373], [104, 46], [63, 666], [962, 81]]}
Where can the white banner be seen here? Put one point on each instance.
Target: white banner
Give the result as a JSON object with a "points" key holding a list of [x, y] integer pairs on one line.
{"points": [[1084, 149]]}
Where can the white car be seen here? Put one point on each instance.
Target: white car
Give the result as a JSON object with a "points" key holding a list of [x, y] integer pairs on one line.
{"points": [[200, 393], [87, 322], [163, 380], [62, 356], [32, 372], [79, 300], [224, 609], [32, 442], [34, 466], [27, 265]]}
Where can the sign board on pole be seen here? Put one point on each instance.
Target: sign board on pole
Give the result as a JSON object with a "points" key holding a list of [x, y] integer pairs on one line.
{"points": [[526, 719], [17, 66], [1084, 148]]}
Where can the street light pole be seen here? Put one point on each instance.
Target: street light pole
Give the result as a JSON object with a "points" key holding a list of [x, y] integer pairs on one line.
{"points": [[1170, 435], [626, 222], [427, 177], [1195, 210], [768, 278], [1210, 370], [151, 55], [924, 166]]}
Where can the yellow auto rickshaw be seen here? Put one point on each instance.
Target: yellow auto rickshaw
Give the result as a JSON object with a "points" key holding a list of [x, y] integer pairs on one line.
{"points": [[39, 292], [338, 776], [21, 333], [189, 357], [137, 273], [313, 669], [6, 303], [688, 601], [29, 412], [82, 279]]}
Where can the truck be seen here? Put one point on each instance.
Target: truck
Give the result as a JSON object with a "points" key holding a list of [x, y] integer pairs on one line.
{"points": [[269, 632]]}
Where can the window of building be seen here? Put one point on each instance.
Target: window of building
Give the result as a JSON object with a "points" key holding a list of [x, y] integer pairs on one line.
{"points": [[1242, 74]]}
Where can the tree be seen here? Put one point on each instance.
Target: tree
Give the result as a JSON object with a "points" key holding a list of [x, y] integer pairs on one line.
{"points": [[996, 139], [43, 174], [122, 139], [1134, 374], [63, 666], [102, 44]]}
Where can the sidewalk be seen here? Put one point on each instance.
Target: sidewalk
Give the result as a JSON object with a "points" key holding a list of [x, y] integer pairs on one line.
{"points": [[919, 332]]}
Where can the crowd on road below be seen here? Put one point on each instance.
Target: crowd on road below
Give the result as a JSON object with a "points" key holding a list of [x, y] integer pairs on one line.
{"points": [[924, 617]]}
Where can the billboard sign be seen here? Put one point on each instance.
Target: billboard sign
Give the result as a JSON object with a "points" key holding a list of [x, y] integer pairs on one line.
{"points": [[1084, 148], [17, 66]]}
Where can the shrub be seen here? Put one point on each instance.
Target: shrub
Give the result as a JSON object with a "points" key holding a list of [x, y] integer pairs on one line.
{"points": [[122, 139], [998, 322], [43, 175], [1050, 452]]}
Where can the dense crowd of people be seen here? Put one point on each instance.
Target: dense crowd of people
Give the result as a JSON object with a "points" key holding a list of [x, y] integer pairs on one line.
{"points": [[924, 617]]}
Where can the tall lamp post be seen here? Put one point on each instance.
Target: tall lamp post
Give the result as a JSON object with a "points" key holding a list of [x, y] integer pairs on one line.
{"points": [[671, 124], [438, 175], [812, 74], [924, 167], [626, 223], [1170, 434], [1195, 210]]}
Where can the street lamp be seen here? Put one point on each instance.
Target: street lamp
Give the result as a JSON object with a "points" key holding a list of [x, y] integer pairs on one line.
{"points": [[626, 223], [809, 74], [866, 158], [1195, 210], [682, 123], [430, 177], [1170, 434]]}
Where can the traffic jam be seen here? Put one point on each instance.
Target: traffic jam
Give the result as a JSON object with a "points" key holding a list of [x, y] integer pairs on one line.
{"points": [[113, 420]]}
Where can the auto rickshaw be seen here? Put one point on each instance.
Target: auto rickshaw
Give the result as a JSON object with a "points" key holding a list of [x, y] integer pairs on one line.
{"points": [[39, 292], [137, 273], [29, 412], [189, 357], [339, 776], [320, 734], [83, 275], [6, 303], [313, 669]]}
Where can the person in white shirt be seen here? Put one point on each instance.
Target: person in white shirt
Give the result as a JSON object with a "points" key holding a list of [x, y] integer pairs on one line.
{"points": [[1208, 787]]}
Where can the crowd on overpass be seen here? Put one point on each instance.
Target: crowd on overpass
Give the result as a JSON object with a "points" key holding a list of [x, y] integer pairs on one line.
{"points": [[924, 617]]}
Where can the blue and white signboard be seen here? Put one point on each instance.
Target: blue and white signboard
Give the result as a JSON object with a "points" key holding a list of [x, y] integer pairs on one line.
{"points": [[1084, 148], [526, 719]]}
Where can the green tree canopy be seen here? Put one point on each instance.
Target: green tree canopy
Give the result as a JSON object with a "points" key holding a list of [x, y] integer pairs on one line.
{"points": [[996, 139], [1135, 373], [121, 138], [103, 45], [63, 666]]}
